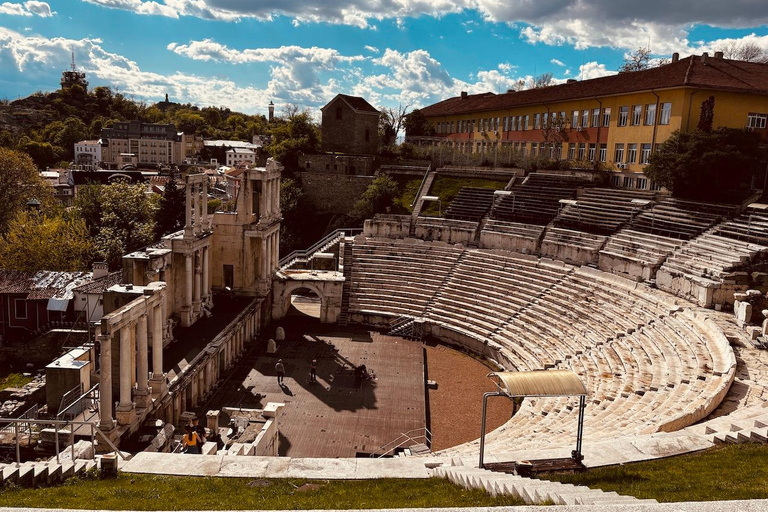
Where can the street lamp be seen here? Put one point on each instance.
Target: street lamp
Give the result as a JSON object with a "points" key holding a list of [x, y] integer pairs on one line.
{"points": [[433, 199]]}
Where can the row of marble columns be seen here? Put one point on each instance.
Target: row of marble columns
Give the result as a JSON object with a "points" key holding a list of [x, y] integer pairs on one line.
{"points": [[196, 219], [270, 194], [197, 279], [133, 334], [209, 369], [270, 254]]}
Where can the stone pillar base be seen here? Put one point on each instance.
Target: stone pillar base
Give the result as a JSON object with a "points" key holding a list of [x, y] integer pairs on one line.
{"points": [[196, 306], [142, 398], [125, 414], [159, 386], [186, 316], [107, 426]]}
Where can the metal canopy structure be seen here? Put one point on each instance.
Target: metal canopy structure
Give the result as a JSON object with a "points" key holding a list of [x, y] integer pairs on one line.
{"points": [[538, 383]]}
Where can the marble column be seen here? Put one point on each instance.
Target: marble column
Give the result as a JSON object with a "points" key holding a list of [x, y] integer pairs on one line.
{"points": [[198, 285], [105, 385], [157, 342], [188, 211], [190, 269], [125, 409], [206, 275], [142, 372]]}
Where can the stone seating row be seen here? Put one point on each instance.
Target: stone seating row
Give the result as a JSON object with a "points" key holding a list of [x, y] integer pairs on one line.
{"points": [[751, 226], [712, 256], [571, 246], [635, 254], [537, 199], [470, 204], [677, 218], [602, 210]]}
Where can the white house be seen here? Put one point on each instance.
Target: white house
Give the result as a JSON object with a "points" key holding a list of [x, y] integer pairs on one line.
{"points": [[88, 154], [236, 156]]}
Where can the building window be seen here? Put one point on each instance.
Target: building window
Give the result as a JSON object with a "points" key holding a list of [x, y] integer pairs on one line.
{"points": [[642, 183], [650, 114], [637, 114], [591, 155], [645, 153], [575, 118], [631, 153], [534, 149], [623, 116], [582, 151], [603, 156], [527, 119], [506, 124], [229, 276], [655, 186], [536, 121], [618, 154], [628, 182], [572, 151], [585, 118], [338, 112], [595, 118], [20, 308], [615, 181], [666, 113], [606, 116], [367, 135], [755, 120]]}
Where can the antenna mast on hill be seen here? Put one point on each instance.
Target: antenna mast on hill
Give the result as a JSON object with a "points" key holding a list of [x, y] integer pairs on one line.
{"points": [[73, 61]]}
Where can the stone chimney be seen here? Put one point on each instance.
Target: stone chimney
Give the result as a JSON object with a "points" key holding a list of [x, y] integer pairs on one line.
{"points": [[271, 111], [719, 55], [571, 81], [463, 95], [100, 269], [675, 57], [704, 57]]}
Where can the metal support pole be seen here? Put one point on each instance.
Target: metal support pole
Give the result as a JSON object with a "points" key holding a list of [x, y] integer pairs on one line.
{"points": [[577, 453], [72, 440], [482, 433], [18, 449], [56, 435]]}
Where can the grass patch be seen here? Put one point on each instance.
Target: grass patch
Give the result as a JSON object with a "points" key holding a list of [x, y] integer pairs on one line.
{"points": [[730, 472], [409, 187], [13, 380], [447, 188], [153, 492]]}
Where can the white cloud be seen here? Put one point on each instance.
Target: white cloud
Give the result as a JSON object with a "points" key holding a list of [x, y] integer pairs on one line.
{"points": [[593, 70], [30, 8], [557, 62], [208, 49], [371, 49], [506, 67]]}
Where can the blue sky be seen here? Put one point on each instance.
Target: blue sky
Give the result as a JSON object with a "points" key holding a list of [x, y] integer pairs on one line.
{"points": [[243, 53]]}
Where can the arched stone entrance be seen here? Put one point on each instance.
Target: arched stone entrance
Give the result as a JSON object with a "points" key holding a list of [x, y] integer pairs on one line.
{"points": [[328, 287]]}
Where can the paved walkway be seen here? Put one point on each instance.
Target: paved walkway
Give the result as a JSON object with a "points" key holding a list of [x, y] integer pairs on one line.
{"points": [[276, 467]]}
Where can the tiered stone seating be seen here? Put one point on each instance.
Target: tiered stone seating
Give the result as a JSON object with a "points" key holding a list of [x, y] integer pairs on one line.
{"points": [[511, 236], [470, 204], [571, 246], [678, 218], [537, 200], [635, 254], [603, 210], [751, 226], [397, 277], [701, 266]]}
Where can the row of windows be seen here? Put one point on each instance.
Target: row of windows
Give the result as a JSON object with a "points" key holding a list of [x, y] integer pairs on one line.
{"points": [[755, 120], [579, 119]]}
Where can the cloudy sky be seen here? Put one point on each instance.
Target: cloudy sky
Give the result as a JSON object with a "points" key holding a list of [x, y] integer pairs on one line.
{"points": [[244, 53]]}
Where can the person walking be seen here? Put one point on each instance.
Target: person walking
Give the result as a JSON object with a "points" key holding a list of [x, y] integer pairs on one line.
{"points": [[313, 371], [191, 441], [280, 369]]}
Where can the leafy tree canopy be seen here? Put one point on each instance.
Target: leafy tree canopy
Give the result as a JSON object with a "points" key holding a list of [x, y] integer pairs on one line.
{"points": [[705, 165], [379, 197], [19, 182]]}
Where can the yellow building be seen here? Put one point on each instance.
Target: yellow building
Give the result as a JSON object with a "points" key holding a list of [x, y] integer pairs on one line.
{"points": [[617, 121]]}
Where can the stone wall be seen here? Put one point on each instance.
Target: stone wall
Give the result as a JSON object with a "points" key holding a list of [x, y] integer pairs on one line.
{"points": [[360, 165], [388, 226], [333, 193], [446, 230], [347, 132]]}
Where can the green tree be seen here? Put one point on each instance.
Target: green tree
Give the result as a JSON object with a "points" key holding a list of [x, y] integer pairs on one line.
{"points": [[707, 114], [19, 182], [35, 242], [416, 125], [296, 210], [43, 154], [705, 165], [170, 215], [121, 216], [299, 134], [379, 197]]}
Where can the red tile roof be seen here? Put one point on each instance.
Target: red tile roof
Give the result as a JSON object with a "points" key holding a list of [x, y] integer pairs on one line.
{"points": [[356, 102], [724, 74], [41, 285], [102, 284]]}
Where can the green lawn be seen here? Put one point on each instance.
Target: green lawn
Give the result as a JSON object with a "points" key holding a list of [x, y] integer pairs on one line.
{"points": [[409, 187], [13, 380], [729, 472], [446, 188], [150, 492]]}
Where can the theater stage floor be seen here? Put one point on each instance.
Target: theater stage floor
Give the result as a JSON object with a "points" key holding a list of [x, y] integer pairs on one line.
{"points": [[333, 418]]}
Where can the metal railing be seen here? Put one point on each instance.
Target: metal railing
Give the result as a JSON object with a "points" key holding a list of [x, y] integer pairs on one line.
{"points": [[421, 186], [78, 404], [91, 428], [412, 436], [326, 241], [30, 414]]}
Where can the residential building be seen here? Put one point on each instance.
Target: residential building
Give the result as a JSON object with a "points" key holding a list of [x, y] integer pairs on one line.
{"points": [[618, 121], [88, 154], [191, 145], [215, 151], [142, 144], [350, 125], [237, 156]]}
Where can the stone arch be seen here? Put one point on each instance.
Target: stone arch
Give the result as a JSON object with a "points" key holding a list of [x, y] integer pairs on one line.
{"points": [[329, 293]]}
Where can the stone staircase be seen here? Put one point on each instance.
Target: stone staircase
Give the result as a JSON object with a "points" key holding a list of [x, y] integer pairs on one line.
{"points": [[34, 474], [408, 328], [530, 490], [345, 248]]}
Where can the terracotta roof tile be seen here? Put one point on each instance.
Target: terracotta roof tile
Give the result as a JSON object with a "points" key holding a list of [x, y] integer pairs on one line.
{"points": [[358, 103], [738, 76], [100, 285]]}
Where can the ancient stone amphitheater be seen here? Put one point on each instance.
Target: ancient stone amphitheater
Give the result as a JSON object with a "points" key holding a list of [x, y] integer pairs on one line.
{"points": [[624, 288]]}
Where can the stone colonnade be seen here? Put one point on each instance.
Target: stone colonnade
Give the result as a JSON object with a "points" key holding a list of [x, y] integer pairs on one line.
{"points": [[130, 328], [199, 378]]}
